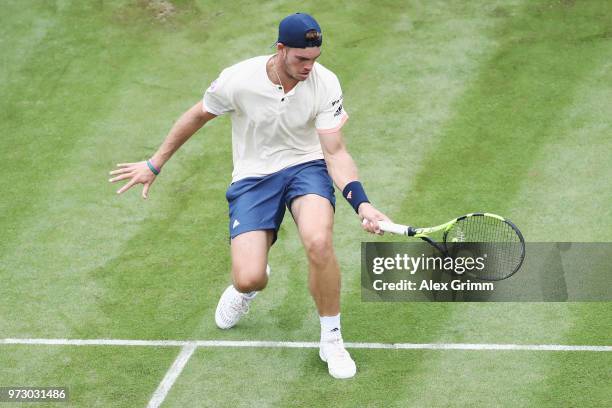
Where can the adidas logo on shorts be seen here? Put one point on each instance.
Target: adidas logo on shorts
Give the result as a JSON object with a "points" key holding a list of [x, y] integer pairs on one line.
{"points": [[235, 224]]}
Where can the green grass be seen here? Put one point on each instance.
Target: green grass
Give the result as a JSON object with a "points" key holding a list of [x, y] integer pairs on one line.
{"points": [[95, 376], [391, 378], [455, 107]]}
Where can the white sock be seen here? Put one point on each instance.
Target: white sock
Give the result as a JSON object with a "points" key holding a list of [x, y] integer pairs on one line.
{"points": [[329, 324], [248, 295]]}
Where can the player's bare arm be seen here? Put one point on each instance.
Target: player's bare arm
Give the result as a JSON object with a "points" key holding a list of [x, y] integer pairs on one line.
{"points": [[145, 172], [343, 171]]}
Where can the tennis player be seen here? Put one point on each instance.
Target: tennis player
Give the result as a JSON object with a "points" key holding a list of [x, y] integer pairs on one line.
{"points": [[287, 113]]}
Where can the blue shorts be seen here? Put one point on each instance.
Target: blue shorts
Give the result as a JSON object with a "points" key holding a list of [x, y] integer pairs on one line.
{"points": [[258, 203]]}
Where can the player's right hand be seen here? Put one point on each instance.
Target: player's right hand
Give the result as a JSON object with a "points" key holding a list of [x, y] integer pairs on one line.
{"points": [[138, 173], [370, 217]]}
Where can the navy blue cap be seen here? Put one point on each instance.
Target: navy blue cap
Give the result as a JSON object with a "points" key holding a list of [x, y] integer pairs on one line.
{"points": [[293, 28]]}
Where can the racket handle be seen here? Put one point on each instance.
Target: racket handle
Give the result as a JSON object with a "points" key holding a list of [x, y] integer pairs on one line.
{"points": [[393, 228]]}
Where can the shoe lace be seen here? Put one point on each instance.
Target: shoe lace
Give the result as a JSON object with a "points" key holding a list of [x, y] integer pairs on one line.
{"points": [[337, 347], [239, 305]]}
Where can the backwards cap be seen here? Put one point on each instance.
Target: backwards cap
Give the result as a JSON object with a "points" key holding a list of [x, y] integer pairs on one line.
{"points": [[292, 31]]}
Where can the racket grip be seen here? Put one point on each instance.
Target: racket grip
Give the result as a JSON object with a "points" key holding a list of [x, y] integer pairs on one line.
{"points": [[393, 228]]}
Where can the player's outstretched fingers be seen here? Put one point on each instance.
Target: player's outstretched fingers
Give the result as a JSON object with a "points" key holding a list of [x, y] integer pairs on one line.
{"points": [[120, 171], [121, 177], [145, 191], [127, 186]]}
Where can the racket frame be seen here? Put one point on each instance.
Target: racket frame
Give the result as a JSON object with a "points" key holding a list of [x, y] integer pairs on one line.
{"points": [[424, 233]]}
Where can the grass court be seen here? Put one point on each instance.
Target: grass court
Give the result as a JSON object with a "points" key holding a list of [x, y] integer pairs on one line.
{"points": [[455, 107]]}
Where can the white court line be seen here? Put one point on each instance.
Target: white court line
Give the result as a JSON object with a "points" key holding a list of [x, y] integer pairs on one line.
{"points": [[300, 344], [188, 348], [177, 367]]}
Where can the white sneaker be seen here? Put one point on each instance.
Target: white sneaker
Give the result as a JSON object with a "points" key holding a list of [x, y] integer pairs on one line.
{"points": [[339, 361], [231, 307]]}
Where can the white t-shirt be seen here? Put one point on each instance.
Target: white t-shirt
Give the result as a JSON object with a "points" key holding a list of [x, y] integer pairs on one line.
{"points": [[272, 130]]}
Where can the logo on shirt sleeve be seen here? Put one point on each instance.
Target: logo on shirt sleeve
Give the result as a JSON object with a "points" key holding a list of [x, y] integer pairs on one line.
{"points": [[339, 100], [338, 111], [339, 103]]}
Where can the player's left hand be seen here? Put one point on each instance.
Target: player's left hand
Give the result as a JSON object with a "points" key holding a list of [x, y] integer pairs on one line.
{"points": [[370, 217]]}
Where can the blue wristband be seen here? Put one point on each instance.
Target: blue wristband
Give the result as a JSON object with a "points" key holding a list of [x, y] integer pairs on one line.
{"points": [[355, 194], [152, 167]]}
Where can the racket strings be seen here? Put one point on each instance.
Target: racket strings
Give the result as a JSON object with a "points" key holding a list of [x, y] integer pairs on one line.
{"points": [[491, 238]]}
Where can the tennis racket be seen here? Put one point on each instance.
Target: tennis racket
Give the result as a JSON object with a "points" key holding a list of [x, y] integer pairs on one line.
{"points": [[477, 234]]}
